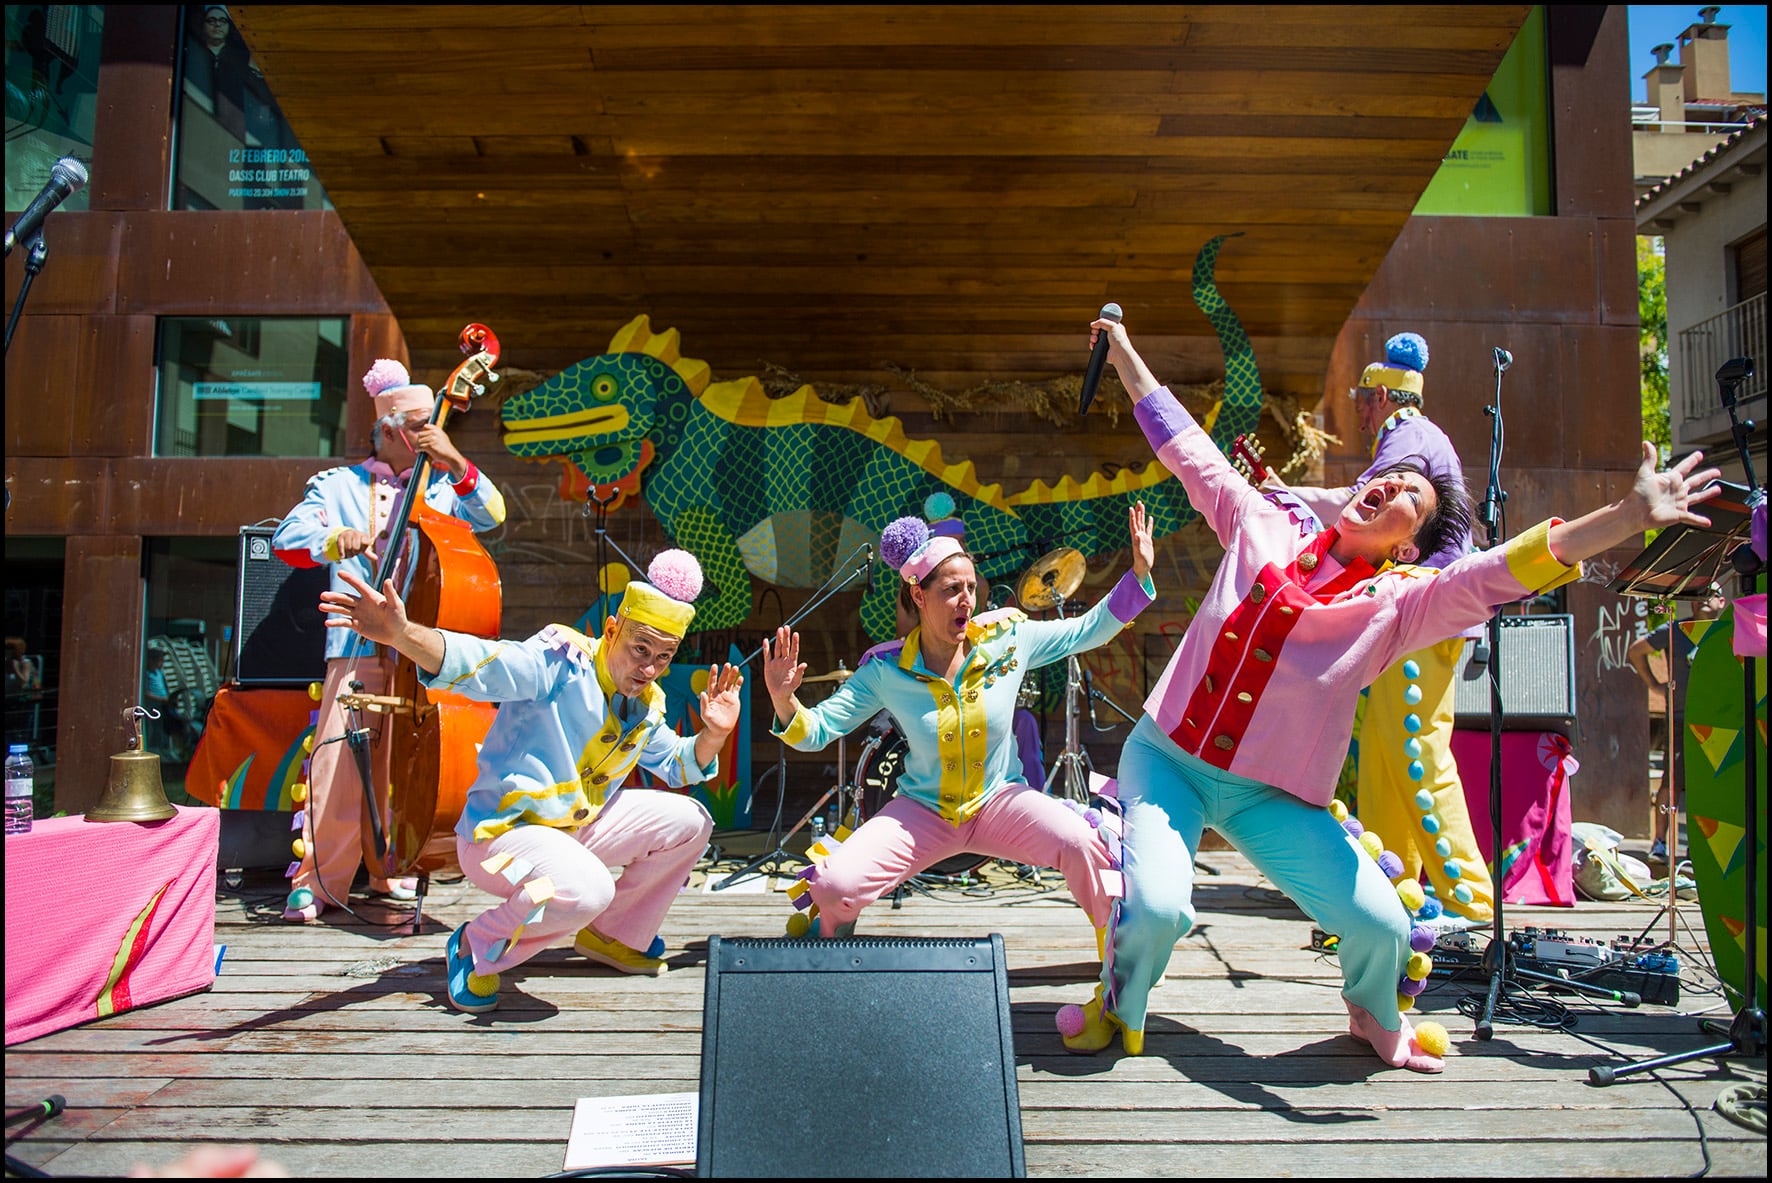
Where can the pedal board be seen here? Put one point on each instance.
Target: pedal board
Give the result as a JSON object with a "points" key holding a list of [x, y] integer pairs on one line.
{"points": [[1626, 965]]}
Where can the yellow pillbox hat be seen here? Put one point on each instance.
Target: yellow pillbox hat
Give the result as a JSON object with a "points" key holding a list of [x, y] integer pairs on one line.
{"points": [[667, 603]]}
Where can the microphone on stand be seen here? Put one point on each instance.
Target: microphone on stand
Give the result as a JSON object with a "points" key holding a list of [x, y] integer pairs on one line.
{"points": [[1503, 359], [1097, 359], [67, 178], [1089, 693]]}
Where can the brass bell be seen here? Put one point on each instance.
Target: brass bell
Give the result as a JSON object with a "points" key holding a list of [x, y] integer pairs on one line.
{"points": [[134, 792]]}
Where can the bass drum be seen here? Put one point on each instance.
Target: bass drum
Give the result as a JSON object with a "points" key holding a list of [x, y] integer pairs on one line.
{"points": [[876, 775]]}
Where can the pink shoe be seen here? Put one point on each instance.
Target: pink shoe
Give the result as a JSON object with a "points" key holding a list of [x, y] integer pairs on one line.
{"points": [[301, 907], [1396, 1048]]}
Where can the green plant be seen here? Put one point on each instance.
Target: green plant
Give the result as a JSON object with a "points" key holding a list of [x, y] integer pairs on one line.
{"points": [[1652, 342]]}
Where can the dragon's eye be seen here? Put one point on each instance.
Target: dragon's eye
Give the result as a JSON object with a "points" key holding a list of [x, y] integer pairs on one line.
{"points": [[604, 387]]}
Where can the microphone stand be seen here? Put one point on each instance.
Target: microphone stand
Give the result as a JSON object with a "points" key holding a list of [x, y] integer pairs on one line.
{"points": [[33, 267], [778, 852], [1503, 973]]}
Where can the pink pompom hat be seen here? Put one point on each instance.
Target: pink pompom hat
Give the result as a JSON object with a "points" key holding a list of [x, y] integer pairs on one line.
{"points": [[393, 390]]}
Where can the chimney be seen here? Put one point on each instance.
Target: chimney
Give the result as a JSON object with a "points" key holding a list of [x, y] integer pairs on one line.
{"points": [[1663, 89], [1704, 51]]}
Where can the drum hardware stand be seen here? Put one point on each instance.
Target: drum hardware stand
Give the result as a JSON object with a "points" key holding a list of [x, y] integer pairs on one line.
{"points": [[778, 854], [1070, 772], [1745, 1034]]}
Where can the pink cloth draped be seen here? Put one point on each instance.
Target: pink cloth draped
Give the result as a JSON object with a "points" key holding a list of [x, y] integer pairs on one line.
{"points": [[1536, 772], [105, 916]]}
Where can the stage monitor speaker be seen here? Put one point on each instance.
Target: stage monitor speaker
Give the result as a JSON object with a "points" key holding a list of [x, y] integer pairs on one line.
{"points": [[279, 630], [858, 1058], [1537, 676]]}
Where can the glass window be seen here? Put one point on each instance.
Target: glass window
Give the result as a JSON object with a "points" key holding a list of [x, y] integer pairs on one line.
{"points": [[1500, 164], [187, 637], [34, 569], [52, 53], [252, 386], [235, 151]]}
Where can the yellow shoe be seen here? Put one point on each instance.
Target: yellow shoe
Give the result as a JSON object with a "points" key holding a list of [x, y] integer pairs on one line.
{"points": [[1090, 1028], [614, 954]]}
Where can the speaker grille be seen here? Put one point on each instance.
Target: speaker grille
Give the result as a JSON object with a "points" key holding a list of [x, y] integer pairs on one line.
{"points": [[885, 1058], [279, 630], [1537, 676]]}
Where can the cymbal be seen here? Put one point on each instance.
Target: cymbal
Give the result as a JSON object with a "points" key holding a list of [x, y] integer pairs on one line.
{"points": [[1054, 576], [833, 676]]}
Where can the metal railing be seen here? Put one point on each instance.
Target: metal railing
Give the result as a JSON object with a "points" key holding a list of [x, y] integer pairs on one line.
{"points": [[1735, 332]]}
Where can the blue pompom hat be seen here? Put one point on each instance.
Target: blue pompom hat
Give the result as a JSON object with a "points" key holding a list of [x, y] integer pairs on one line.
{"points": [[1405, 357]]}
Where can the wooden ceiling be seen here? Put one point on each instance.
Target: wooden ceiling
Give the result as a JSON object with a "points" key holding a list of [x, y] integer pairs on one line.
{"points": [[949, 190]]}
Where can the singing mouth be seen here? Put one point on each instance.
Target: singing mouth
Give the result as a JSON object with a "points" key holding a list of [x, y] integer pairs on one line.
{"points": [[1369, 506]]}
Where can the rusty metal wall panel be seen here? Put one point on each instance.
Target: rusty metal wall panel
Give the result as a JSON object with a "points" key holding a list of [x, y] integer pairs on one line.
{"points": [[268, 263], [39, 413], [1590, 93], [101, 663], [132, 138]]}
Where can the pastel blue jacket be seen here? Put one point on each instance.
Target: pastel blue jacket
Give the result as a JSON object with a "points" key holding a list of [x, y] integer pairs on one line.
{"points": [[364, 497], [960, 734], [563, 740]]}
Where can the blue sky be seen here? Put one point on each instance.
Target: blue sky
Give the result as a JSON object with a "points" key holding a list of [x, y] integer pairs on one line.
{"points": [[1652, 24]]}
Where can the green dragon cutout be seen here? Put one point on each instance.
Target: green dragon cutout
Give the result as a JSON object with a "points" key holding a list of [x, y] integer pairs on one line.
{"points": [[787, 489]]}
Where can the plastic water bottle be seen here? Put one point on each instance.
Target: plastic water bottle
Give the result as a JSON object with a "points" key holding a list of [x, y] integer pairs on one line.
{"points": [[21, 781], [817, 831]]}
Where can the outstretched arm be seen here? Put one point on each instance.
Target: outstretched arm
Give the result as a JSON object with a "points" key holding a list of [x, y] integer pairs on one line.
{"points": [[381, 617], [1656, 499], [1135, 376]]}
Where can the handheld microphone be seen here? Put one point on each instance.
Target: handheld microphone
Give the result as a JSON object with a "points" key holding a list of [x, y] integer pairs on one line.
{"points": [[1097, 359], [1503, 359], [65, 179]]}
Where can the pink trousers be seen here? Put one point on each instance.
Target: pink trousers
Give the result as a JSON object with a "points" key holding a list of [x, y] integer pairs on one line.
{"points": [[1021, 824], [335, 788], [650, 837]]}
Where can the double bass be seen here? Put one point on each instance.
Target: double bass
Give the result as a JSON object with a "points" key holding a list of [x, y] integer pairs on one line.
{"points": [[450, 583]]}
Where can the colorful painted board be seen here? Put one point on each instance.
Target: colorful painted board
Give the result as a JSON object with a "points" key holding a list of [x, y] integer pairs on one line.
{"points": [[1716, 798]]}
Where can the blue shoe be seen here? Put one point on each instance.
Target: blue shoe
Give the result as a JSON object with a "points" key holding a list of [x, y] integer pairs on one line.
{"points": [[468, 991]]}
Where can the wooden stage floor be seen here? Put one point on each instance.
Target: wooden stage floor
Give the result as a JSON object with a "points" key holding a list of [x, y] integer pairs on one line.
{"points": [[332, 1049]]}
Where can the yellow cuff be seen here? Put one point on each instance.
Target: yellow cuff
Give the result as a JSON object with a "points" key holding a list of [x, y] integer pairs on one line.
{"points": [[1529, 560], [798, 731], [330, 549]]}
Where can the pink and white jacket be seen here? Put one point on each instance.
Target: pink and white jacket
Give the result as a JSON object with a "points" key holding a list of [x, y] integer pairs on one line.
{"points": [[1265, 682]]}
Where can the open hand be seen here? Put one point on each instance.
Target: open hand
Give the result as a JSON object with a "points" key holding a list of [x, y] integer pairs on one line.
{"points": [[376, 616], [782, 667], [720, 701], [1144, 551], [1666, 498]]}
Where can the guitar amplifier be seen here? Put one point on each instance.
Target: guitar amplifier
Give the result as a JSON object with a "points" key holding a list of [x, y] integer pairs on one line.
{"points": [[1537, 675], [279, 630]]}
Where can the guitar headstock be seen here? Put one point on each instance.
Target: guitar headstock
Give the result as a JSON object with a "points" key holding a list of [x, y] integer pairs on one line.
{"points": [[1247, 458], [470, 379]]}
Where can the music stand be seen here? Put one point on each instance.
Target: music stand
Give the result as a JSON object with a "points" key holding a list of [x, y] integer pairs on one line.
{"points": [[1725, 539]]}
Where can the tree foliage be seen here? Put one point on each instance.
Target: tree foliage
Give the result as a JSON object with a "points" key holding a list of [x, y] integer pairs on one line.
{"points": [[1652, 342]]}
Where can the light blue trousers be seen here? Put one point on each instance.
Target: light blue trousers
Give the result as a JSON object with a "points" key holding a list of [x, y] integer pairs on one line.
{"points": [[1169, 797]]}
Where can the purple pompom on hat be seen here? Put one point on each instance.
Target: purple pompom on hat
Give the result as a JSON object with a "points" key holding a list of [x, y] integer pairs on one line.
{"points": [[908, 546]]}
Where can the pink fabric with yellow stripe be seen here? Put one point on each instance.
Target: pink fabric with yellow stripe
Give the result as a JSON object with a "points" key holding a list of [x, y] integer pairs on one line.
{"points": [[102, 917]]}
